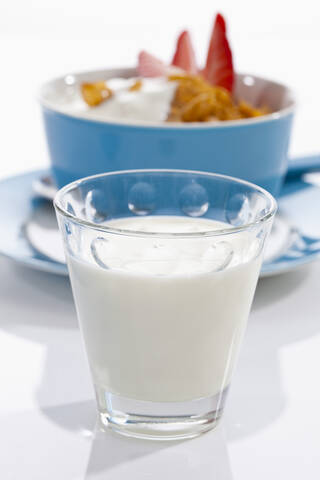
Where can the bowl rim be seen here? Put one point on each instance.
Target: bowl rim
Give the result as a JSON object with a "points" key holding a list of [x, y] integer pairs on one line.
{"points": [[269, 214], [163, 125]]}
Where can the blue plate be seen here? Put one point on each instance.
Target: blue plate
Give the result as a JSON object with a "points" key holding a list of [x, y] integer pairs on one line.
{"points": [[31, 234]]}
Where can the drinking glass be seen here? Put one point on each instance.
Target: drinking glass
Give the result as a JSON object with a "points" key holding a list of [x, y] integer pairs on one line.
{"points": [[163, 266]]}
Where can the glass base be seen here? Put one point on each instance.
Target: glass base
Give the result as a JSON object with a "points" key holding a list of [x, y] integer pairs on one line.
{"points": [[160, 420]]}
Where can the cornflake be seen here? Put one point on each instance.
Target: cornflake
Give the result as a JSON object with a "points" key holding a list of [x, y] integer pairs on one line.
{"points": [[196, 100], [136, 86], [95, 93]]}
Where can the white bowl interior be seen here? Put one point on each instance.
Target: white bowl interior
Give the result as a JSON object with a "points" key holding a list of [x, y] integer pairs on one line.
{"points": [[260, 92]]}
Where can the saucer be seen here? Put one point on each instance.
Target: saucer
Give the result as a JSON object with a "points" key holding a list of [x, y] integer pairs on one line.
{"points": [[19, 204], [32, 238]]}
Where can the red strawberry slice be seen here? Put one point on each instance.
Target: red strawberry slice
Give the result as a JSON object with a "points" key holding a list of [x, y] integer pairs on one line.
{"points": [[184, 56], [219, 68], [150, 66]]}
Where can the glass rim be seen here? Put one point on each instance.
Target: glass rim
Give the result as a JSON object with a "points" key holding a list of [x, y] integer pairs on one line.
{"points": [[57, 202]]}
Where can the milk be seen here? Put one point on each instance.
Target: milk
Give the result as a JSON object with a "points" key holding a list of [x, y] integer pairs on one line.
{"points": [[163, 318]]}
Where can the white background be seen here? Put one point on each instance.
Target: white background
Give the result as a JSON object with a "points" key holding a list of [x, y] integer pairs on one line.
{"points": [[41, 39], [272, 423]]}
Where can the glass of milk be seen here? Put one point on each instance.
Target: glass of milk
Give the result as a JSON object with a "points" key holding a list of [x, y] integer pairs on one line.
{"points": [[163, 267]]}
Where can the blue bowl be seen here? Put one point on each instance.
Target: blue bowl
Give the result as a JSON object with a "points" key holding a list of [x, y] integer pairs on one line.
{"points": [[251, 149]]}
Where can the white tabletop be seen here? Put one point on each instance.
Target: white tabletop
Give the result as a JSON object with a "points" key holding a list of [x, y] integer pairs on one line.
{"points": [[47, 412], [271, 428]]}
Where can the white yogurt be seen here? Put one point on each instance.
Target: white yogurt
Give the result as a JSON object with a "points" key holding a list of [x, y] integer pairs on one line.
{"points": [[151, 103], [164, 322]]}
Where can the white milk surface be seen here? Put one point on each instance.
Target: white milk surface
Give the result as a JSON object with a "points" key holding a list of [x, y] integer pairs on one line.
{"points": [[163, 323]]}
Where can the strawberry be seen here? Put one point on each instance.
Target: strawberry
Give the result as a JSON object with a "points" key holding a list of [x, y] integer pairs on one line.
{"points": [[184, 56], [150, 66], [219, 67]]}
